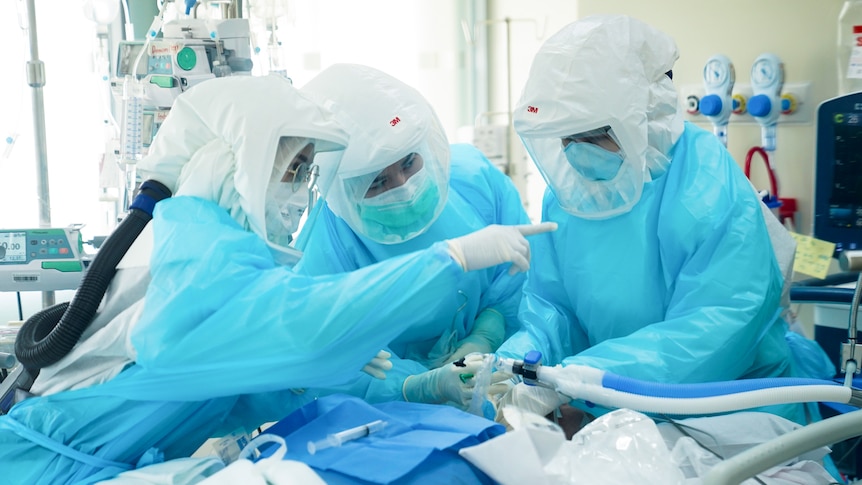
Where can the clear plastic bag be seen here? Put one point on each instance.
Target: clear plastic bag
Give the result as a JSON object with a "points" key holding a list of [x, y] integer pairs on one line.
{"points": [[621, 447]]}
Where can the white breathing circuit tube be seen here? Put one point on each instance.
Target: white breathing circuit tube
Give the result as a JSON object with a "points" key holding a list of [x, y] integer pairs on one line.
{"points": [[851, 369], [594, 386], [694, 405]]}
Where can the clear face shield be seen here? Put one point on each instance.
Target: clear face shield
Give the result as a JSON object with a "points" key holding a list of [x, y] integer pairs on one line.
{"points": [[401, 198], [293, 191], [590, 171], [400, 201]]}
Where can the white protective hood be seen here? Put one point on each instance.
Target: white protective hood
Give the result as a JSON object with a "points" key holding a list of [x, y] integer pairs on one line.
{"points": [[220, 139], [387, 120], [603, 70]]}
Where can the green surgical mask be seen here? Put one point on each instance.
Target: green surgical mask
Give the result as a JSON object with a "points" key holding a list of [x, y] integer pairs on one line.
{"points": [[402, 210]]}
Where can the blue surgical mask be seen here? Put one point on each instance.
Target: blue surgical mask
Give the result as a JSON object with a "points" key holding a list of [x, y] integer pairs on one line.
{"points": [[593, 161], [404, 209]]}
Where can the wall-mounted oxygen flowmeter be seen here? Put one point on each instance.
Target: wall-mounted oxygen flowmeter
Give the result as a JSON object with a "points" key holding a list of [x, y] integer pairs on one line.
{"points": [[767, 80], [41, 259], [717, 105]]}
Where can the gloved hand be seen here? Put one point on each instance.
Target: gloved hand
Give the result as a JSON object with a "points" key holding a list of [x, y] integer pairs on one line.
{"points": [[535, 399], [451, 383], [487, 335], [496, 244], [378, 366]]}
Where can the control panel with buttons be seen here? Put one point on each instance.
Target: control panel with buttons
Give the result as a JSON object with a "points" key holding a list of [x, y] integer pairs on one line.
{"points": [[41, 259]]}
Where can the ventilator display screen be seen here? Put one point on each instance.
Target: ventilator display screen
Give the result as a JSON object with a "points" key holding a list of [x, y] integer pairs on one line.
{"points": [[13, 247], [838, 172], [126, 57], [845, 199]]}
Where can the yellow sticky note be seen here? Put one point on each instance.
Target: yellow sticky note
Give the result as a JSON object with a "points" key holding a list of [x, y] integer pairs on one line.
{"points": [[812, 255]]}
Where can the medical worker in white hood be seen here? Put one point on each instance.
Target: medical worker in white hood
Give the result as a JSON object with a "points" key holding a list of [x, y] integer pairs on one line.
{"points": [[662, 268], [206, 328], [401, 187]]}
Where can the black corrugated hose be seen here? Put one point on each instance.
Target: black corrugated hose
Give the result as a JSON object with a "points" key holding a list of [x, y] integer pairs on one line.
{"points": [[50, 334]]}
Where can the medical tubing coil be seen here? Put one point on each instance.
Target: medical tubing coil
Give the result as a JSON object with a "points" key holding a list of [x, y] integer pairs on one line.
{"points": [[47, 336], [706, 404]]}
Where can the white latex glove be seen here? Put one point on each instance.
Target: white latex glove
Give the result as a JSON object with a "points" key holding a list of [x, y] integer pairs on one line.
{"points": [[496, 244], [535, 399], [378, 366], [487, 335], [451, 383]]}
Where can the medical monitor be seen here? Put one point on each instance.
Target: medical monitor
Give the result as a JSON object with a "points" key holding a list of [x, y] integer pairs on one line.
{"points": [[127, 54], [838, 172]]}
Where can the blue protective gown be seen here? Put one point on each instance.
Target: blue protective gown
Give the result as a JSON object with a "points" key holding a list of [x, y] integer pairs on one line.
{"points": [[683, 288], [224, 335], [479, 195]]}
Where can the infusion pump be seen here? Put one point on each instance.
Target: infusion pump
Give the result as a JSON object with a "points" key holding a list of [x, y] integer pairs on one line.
{"points": [[41, 259]]}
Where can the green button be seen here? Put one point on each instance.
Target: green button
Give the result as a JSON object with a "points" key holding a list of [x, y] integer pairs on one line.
{"points": [[186, 58], [163, 81], [64, 266]]}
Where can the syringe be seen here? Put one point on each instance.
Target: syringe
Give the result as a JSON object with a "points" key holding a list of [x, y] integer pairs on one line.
{"points": [[336, 439]]}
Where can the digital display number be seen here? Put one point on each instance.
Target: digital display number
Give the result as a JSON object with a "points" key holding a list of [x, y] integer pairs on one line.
{"points": [[13, 247]]}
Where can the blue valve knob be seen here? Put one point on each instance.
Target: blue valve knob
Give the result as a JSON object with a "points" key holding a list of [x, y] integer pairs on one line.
{"points": [[759, 105], [710, 105], [529, 367], [533, 357]]}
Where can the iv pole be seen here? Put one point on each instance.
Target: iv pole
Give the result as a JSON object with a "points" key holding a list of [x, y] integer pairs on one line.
{"points": [[510, 168], [36, 79]]}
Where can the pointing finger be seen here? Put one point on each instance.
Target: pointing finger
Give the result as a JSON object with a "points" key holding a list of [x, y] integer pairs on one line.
{"points": [[531, 229]]}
